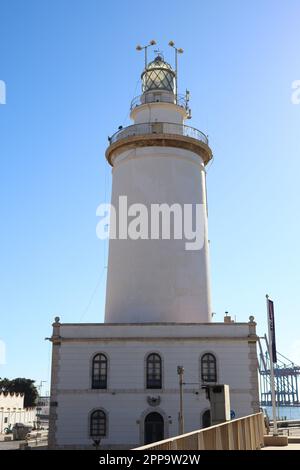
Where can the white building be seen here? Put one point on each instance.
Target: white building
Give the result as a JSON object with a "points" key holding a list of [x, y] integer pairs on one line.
{"points": [[118, 381], [12, 411]]}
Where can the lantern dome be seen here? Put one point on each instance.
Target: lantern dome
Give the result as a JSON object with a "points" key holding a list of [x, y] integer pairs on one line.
{"points": [[158, 75]]}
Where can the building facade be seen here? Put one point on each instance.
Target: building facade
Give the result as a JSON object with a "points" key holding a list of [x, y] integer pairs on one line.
{"points": [[12, 411], [117, 382], [126, 373]]}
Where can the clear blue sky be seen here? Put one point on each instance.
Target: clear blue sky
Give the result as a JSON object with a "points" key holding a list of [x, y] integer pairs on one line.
{"points": [[71, 69]]}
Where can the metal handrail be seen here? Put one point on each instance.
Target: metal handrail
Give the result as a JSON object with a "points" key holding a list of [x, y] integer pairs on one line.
{"points": [[158, 128], [246, 433], [163, 98]]}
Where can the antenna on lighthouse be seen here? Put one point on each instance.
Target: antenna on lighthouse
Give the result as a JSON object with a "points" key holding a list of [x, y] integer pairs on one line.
{"points": [[188, 109], [177, 50], [140, 48]]}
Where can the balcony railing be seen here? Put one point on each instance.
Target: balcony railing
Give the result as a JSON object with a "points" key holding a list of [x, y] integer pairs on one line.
{"points": [[158, 128], [159, 98]]}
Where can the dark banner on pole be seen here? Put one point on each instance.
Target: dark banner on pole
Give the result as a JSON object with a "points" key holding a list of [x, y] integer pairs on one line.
{"points": [[272, 328]]}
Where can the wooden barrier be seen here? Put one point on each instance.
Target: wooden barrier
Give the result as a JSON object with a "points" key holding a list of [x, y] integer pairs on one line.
{"points": [[245, 433]]}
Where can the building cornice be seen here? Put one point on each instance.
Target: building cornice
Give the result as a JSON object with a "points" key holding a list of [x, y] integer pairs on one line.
{"points": [[249, 338], [140, 391], [163, 324]]}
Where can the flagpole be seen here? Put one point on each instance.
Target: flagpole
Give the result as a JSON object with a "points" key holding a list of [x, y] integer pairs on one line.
{"points": [[272, 380]]}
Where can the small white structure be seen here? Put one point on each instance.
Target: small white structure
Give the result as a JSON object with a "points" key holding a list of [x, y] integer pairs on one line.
{"points": [[12, 411], [118, 381]]}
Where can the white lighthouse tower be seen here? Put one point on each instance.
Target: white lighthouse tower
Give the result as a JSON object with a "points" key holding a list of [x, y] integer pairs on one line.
{"points": [[158, 160], [117, 382]]}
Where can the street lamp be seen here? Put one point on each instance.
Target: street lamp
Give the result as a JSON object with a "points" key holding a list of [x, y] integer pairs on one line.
{"points": [[177, 50], [140, 48]]}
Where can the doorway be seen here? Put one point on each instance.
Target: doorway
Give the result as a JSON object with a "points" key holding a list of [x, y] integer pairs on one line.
{"points": [[154, 428], [206, 419]]}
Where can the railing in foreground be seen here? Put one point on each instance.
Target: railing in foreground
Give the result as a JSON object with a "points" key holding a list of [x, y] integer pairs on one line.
{"points": [[239, 434]]}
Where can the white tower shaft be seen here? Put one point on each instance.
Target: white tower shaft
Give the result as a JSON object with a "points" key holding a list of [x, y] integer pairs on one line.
{"points": [[158, 160]]}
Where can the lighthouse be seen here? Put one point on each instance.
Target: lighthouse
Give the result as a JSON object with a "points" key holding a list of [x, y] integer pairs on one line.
{"points": [[159, 162], [121, 382]]}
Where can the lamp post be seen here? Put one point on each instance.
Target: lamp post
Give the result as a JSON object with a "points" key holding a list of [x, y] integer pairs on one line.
{"points": [[177, 50], [180, 372], [272, 352], [140, 48]]}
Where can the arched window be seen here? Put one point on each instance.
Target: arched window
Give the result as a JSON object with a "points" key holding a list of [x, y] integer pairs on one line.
{"points": [[99, 371], [208, 368], [153, 371], [98, 424]]}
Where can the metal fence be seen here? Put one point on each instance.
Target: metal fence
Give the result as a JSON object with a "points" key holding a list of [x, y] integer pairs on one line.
{"points": [[158, 128], [161, 98]]}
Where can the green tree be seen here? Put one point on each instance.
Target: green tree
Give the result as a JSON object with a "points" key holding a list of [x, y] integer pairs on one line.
{"points": [[21, 385]]}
